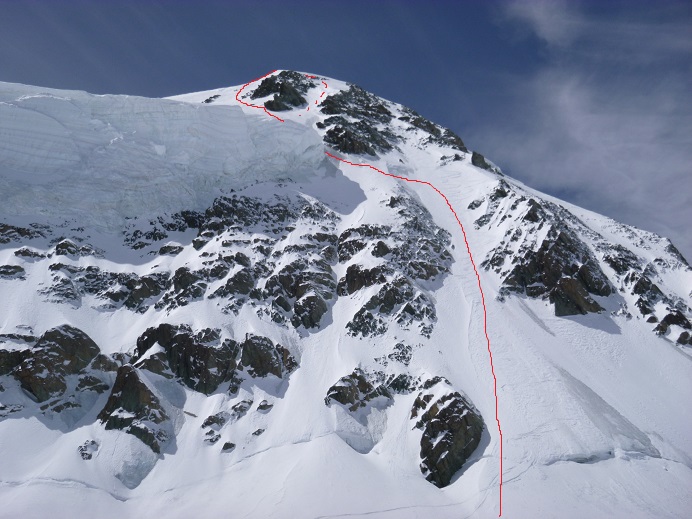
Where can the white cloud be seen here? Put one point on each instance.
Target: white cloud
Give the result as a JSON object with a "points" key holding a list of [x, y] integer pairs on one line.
{"points": [[554, 21], [562, 24], [612, 134]]}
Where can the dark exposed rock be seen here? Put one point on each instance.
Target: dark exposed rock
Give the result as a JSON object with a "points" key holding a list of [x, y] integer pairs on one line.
{"points": [[26, 252], [479, 161], [70, 283], [483, 220], [92, 383], [571, 298], [211, 99], [240, 409], [183, 279], [60, 352], [10, 359], [535, 213], [402, 383], [18, 337], [262, 357], [416, 120], [564, 267], [62, 406], [355, 391], [170, 250], [452, 430], [621, 260], [187, 286], [258, 432], [673, 318], [357, 103], [217, 420], [212, 437], [438, 135], [501, 190], [356, 278], [288, 87], [67, 247], [228, 447], [140, 238], [143, 289], [648, 292], [644, 286], [553, 259], [421, 256], [366, 324], [418, 250], [353, 240], [357, 138], [88, 449], [287, 98], [10, 233], [242, 282], [202, 366], [434, 380], [308, 311], [6, 410], [134, 408], [311, 285], [673, 251], [380, 249], [451, 140], [199, 365], [357, 123], [402, 353], [476, 204], [685, 338], [238, 212], [264, 406], [639, 278], [11, 272], [397, 298]]}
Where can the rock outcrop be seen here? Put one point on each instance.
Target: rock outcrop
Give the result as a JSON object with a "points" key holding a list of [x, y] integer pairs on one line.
{"points": [[451, 429], [133, 407], [355, 391], [203, 362], [58, 353]]}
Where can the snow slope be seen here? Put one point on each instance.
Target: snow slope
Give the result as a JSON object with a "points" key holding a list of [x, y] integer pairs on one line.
{"points": [[594, 408]]}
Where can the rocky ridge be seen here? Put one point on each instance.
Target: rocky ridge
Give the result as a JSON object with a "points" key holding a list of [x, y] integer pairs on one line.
{"points": [[547, 252]]}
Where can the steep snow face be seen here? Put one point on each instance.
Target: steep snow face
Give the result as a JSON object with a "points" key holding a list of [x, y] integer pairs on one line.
{"points": [[194, 298]]}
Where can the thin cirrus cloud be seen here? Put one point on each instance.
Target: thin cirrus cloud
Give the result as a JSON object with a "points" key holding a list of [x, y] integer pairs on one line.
{"points": [[606, 122]]}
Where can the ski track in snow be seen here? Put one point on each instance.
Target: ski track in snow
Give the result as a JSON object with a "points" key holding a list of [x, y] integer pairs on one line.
{"points": [[461, 226]]}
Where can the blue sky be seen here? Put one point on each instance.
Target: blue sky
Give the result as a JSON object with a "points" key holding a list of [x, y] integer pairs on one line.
{"points": [[588, 101]]}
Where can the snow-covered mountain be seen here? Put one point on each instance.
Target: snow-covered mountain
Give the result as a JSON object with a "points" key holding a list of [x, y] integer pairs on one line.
{"points": [[205, 309]]}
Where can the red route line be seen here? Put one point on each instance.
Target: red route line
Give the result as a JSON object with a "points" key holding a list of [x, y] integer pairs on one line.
{"points": [[463, 231], [321, 95], [478, 278], [237, 98]]}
